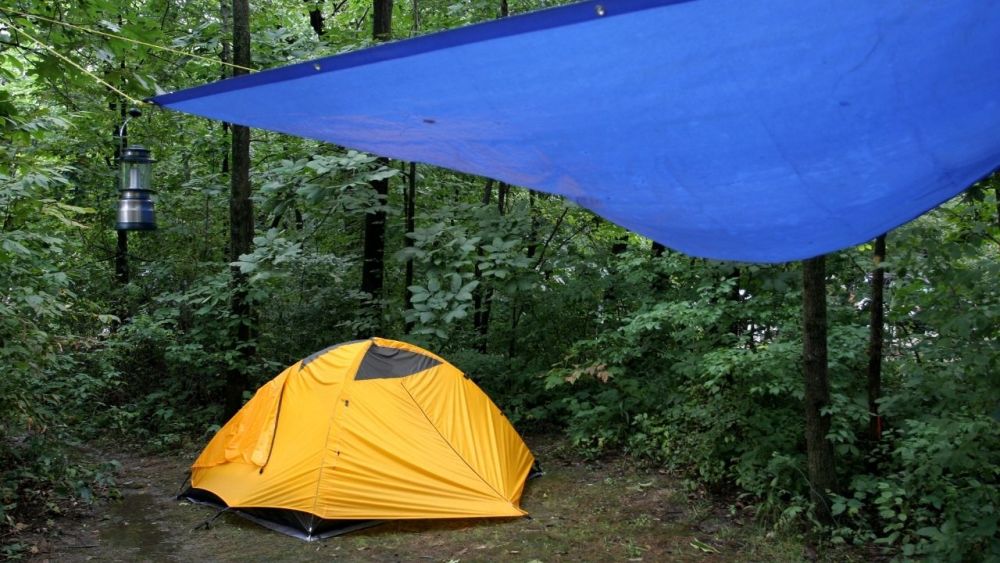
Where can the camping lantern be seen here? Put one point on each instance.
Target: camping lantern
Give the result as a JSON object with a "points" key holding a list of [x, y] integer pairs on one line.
{"points": [[135, 204]]}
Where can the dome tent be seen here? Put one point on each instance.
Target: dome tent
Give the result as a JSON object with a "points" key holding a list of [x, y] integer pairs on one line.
{"points": [[362, 432]]}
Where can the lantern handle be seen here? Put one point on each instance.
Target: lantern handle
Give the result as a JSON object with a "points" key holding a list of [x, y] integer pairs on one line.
{"points": [[132, 112]]}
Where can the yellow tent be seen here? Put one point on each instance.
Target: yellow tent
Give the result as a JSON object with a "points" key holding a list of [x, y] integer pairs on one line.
{"points": [[364, 431]]}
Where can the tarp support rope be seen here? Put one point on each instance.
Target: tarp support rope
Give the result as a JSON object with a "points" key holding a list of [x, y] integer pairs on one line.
{"points": [[69, 61], [128, 39]]}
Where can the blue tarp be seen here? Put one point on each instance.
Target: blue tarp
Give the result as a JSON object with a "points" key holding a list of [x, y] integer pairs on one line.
{"points": [[766, 130]]}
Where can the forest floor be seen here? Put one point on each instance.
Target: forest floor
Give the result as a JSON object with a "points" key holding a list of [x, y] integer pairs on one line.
{"points": [[607, 510]]}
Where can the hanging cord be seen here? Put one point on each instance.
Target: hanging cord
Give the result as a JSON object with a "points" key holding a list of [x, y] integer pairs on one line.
{"points": [[77, 66], [128, 39]]}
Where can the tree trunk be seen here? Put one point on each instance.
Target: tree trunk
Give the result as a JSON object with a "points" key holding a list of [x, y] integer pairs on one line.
{"points": [[736, 296], [875, 342], [996, 195], [241, 223], [373, 262], [533, 233], [409, 207], [817, 386], [226, 13], [503, 190], [316, 17], [121, 259], [382, 28], [620, 245], [480, 301]]}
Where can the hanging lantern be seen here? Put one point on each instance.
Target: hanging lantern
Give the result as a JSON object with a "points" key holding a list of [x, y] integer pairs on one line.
{"points": [[135, 203]]}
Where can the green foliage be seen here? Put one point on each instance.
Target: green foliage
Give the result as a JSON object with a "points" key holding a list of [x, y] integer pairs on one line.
{"points": [[936, 493], [690, 364]]}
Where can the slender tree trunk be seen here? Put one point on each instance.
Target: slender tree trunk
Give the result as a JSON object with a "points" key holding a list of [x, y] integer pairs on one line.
{"points": [[875, 342], [503, 190], [226, 14], [657, 249], [241, 223], [736, 326], [382, 26], [480, 301], [410, 207], [373, 263], [121, 259], [533, 233], [817, 385], [661, 281], [316, 16], [996, 195], [620, 245]]}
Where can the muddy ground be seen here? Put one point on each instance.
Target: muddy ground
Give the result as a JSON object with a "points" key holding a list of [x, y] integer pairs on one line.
{"points": [[599, 511]]}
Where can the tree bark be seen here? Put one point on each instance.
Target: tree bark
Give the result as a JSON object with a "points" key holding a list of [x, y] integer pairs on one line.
{"points": [[382, 27], [409, 206], [480, 298], [503, 190], [817, 386], [316, 17], [657, 249], [226, 14], [996, 195], [875, 337], [121, 259], [241, 223], [533, 233], [373, 262]]}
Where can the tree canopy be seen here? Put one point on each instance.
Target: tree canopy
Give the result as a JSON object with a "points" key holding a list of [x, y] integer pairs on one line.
{"points": [[569, 322]]}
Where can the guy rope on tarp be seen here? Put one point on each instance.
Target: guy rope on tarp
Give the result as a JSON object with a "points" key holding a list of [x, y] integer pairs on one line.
{"points": [[77, 66], [124, 38]]}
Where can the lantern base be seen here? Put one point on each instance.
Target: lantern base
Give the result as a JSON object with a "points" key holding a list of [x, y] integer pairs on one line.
{"points": [[135, 227]]}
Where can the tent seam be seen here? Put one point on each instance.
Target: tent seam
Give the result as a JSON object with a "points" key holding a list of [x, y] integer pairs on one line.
{"points": [[329, 426], [446, 441]]}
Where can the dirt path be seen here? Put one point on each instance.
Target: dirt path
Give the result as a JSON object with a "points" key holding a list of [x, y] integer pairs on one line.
{"points": [[580, 512]]}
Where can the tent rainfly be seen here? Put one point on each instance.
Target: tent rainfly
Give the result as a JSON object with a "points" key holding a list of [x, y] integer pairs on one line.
{"points": [[362, 432], [762, 131]]}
